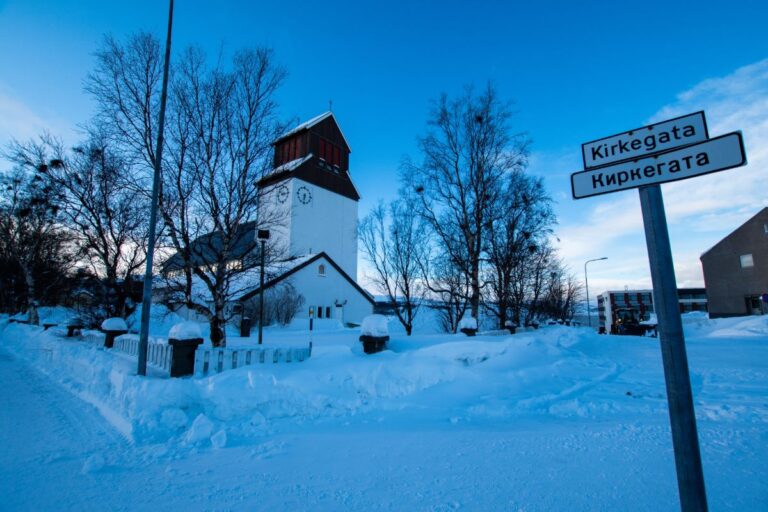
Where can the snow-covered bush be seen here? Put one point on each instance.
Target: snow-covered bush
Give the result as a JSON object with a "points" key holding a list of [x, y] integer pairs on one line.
{"points": [[374, 325]]}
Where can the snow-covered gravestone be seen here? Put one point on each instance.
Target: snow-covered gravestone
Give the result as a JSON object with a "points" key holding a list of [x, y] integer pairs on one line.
{"points": [[112, 328], [374, 333], [510, 326], [184, 337], [468, 325]]}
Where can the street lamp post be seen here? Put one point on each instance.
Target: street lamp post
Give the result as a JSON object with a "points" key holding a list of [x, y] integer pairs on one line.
{"points": [[146, 301], [263, 236], [586, 286]]}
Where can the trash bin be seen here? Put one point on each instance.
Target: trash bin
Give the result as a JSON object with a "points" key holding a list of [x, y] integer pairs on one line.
{"points": [[183, 362], [112, 328], [245, 327], [373, 344]]}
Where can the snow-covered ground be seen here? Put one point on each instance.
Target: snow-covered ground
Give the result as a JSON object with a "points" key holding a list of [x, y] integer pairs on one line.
{"points": [[554, 419]]}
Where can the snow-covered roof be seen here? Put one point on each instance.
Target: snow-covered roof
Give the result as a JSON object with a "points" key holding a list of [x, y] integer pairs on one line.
{"points": [[309, 124], [293, 164]]}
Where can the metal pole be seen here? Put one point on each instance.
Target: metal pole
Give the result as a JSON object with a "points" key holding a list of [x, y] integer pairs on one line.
{"points": [[690, 476], [146, 300], [261, 294], [586, 285]]}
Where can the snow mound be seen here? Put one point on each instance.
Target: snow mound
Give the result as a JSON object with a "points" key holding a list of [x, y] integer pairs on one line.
{"points": [[185, 331], [374, 325], [114, 324]]}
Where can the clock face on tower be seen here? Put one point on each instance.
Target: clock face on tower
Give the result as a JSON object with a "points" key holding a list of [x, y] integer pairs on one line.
{"points": [[282, 194], [304, 195]]}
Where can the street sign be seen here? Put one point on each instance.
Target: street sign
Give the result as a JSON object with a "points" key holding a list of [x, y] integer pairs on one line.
{"points": [[672, 150], [717, 154], [640, 142]]}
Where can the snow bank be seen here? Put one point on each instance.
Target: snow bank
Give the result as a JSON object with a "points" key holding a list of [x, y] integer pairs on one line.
{"points": [[490, 379], [114, 324], [185, 331], [374, 325]]}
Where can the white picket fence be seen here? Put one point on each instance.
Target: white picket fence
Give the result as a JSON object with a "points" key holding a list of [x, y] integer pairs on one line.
{"points": [[159, 355], [217, 360]]}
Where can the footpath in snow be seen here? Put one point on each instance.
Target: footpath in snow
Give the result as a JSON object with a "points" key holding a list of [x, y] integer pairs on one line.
{"points": [[559, 418]]}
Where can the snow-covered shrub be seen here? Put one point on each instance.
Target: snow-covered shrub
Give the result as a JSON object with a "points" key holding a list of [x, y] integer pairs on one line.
{"points": [[281, 303]]}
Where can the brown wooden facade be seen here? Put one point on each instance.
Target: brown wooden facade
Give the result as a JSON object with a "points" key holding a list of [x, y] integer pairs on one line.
{"points": [[328, 166]]}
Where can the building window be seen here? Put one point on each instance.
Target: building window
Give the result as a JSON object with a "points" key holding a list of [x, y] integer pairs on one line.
{"points": [[327, 311], [330, 153], [321, 270], [746, 261], [235, 265], [320, 312]]}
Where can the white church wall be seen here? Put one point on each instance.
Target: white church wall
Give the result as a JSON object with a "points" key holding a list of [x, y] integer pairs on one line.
{"points": [[275, 215], [327, 291], [327, 222]]}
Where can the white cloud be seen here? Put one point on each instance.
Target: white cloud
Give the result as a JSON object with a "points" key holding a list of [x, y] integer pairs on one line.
{"points": [[700, 211], [18, 121]]}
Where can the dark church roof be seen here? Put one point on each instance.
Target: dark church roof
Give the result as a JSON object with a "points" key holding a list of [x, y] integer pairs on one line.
{"points": [[307, 125], [301, 153], [207, 248]]}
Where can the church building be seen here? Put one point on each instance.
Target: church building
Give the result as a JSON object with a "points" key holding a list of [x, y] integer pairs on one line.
{"points": [[308, 204], [314, 204]]}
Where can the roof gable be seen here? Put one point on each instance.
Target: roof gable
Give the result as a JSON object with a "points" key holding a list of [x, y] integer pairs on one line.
{"points": [[272, 282], [755, 218], [323, 123]]}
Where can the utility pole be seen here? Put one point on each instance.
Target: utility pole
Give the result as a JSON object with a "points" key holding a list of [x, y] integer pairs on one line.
{"points": [[586, 285], [263, 236], [146, 301]]}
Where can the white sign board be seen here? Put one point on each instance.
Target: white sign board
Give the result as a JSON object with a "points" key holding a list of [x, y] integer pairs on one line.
{"points": [[717, 154], [654, 138]]}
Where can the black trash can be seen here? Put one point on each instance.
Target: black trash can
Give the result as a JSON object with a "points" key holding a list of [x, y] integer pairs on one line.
{"points": [[183, 362], [373, 344], [109, 338]]}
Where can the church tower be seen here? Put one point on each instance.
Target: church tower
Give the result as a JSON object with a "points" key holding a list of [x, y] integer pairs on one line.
{"points": [[310, 194]]}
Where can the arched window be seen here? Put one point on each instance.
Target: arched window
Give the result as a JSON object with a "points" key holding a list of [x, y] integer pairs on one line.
{"points": [[321, 270]]}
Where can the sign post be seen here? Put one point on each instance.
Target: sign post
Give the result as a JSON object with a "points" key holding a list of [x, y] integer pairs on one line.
{"points": [[644, 158], [685, 440]]}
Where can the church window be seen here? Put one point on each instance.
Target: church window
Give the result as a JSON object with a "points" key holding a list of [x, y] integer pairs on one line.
{"points": [[327, 311], [321, 270], [320, 312]]}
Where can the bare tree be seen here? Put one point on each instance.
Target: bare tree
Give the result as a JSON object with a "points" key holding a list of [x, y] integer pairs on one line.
{"points": [[223, 119], [563, 293], [105, 214], [393, 242], [448, 288], [468, 151], [522, 223], [29, 229]]}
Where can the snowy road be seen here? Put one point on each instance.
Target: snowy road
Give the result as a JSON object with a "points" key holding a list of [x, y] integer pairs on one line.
{"points": [[523, 425]]}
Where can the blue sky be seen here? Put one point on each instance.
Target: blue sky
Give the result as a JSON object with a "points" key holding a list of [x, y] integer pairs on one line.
{"points": [[576, 70]]}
